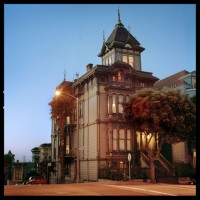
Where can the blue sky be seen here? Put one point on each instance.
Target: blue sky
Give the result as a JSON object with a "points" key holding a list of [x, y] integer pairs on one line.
{"points": [[43, 40]]}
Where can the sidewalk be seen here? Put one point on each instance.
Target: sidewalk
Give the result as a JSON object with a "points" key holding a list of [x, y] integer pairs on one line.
{"points": [[113, 182]]}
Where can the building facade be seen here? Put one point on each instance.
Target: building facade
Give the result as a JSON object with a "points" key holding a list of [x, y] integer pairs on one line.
{"points": [[104, 138], [45, 152]]}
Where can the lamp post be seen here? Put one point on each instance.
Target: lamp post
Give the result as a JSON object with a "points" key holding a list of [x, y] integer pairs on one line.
{"points": [[57, 93]]}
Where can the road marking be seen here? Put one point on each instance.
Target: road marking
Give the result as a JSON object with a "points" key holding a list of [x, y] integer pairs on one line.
{"points": [[152, 191]]}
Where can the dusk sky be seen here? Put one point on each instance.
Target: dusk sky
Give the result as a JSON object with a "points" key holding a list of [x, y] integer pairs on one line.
{"points": [[43, 40]]}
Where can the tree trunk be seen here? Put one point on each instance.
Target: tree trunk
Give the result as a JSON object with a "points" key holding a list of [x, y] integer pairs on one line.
{"points": [[152, 171], [62, 153]]}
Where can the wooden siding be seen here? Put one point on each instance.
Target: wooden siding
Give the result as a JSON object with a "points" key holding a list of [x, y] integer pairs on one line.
{"points": [[103, 106], [103, 140], [88, 170], [179, 152]]}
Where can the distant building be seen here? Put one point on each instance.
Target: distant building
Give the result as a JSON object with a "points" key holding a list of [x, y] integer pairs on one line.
{"points": [[45, 152], [21, 171], [183, 80], [35, 155]]}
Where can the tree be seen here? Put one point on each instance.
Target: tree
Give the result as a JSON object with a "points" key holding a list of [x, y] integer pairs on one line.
{"points": [[8, 163], [162, 116], [61, 108]]}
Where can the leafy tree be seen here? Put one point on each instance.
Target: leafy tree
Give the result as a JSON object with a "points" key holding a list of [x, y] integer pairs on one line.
{"points": [[61, 108], [8, 163], [193, 99], [165, 116]]}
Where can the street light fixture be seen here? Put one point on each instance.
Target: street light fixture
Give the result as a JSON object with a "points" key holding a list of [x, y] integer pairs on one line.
{"points": [[57, 93]]}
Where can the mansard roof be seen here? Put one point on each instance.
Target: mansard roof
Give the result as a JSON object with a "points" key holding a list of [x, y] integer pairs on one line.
{"points": [[119, 38]]}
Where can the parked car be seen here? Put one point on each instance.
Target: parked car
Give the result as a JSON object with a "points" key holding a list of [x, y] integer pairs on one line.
{"points": [[36, 180]]}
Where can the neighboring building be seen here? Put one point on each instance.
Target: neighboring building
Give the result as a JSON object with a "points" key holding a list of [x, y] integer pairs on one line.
{"points": [[105, 138], [186, 82], [21, 171], [35, 155], [45, 152], [183, 80]]}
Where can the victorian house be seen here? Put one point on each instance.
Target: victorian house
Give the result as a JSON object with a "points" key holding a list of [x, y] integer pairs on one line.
{"points": [[104, 138]]}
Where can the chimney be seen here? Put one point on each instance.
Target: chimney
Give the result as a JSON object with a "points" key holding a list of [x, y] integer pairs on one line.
{"points": [[89, 67]]}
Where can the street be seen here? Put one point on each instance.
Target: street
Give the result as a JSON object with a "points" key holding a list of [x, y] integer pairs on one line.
{"points": [[101, 189]]}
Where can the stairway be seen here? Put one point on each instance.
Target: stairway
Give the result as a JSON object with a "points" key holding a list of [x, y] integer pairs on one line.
{"points": [[162, 160]]}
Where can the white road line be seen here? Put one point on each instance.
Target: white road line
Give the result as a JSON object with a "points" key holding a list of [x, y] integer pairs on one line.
{"points": [[152, 191]]}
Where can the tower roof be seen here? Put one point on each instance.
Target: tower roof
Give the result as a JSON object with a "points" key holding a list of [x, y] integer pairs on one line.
{"points": [[120, 37]]}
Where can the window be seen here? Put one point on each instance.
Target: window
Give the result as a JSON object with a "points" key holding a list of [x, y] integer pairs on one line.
{"points": [[120, 76], [109, 61], [121, 139], [138, 140], [120, 105], [114, 103], [67, 144], [114, 78], [127, 98], [68, 120], [128, 141], [125, 59], [121, 166], [114, 139], [130, 60], [194, 82], [18, 173], [141, 84]]}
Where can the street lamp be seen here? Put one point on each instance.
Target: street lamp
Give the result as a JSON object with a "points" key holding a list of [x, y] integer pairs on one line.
{"points": [[57, 93]]}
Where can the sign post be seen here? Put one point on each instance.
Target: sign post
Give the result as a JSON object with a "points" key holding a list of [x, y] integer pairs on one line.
{"points": [[129, 160]]}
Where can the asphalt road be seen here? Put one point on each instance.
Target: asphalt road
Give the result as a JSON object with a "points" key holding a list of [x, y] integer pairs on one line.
{"points": [[101, 189]]}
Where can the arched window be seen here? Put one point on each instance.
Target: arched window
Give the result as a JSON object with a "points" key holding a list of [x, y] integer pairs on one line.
{"points": [[121, 139], [114, 103], [120, 103], [128, 141], [114, 139]]}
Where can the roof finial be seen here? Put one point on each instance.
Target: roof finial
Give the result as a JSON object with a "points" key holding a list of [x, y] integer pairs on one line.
{"points": [[119, 21], [103, 37], [64, 74]]}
